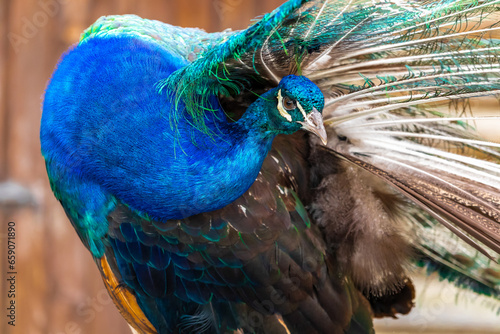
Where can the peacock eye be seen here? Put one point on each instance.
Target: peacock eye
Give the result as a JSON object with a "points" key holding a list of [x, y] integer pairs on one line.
{"points": [[289, 104]]}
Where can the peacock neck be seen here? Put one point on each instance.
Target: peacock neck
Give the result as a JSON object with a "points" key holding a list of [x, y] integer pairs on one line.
{"points": [[201, 173], [232, 161], [255, 121]]}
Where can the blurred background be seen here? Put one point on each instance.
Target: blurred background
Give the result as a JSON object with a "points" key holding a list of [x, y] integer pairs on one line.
{"points": [[58, 288]]}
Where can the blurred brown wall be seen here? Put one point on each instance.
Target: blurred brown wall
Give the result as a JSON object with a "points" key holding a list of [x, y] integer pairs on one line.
{"points": [[58, 288]]}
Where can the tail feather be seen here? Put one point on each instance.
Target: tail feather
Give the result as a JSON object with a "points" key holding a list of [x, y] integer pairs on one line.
{"points": [[398, 81]]}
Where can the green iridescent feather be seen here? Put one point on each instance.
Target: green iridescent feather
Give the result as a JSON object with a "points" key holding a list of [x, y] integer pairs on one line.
{"points": [[291, 39]]}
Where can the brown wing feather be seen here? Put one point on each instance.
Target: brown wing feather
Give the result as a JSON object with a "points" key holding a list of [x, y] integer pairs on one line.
{"points": [[461, 212]]}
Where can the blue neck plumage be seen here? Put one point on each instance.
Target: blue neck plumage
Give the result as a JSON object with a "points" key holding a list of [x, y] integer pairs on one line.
{"points": [[256, 120], [207, 174], [231, 162]]}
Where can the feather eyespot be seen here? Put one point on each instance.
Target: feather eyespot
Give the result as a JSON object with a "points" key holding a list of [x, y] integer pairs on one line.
{"points": [[289, 104]]}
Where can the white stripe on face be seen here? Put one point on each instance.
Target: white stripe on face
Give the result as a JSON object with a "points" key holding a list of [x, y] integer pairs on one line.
{"points": [[302, 110]]}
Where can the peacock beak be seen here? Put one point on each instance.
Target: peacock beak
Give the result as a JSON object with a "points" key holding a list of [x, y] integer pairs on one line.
{"points": [[314, 124]]}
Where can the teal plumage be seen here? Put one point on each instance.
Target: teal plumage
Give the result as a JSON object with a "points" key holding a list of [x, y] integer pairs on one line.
{"points": [[196, 168]]}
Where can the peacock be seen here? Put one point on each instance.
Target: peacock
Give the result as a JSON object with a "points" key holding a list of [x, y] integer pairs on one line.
{"points": [[285, 178]]}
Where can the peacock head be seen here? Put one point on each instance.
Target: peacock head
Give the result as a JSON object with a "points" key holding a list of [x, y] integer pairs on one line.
{"points": [[297, 104]]}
